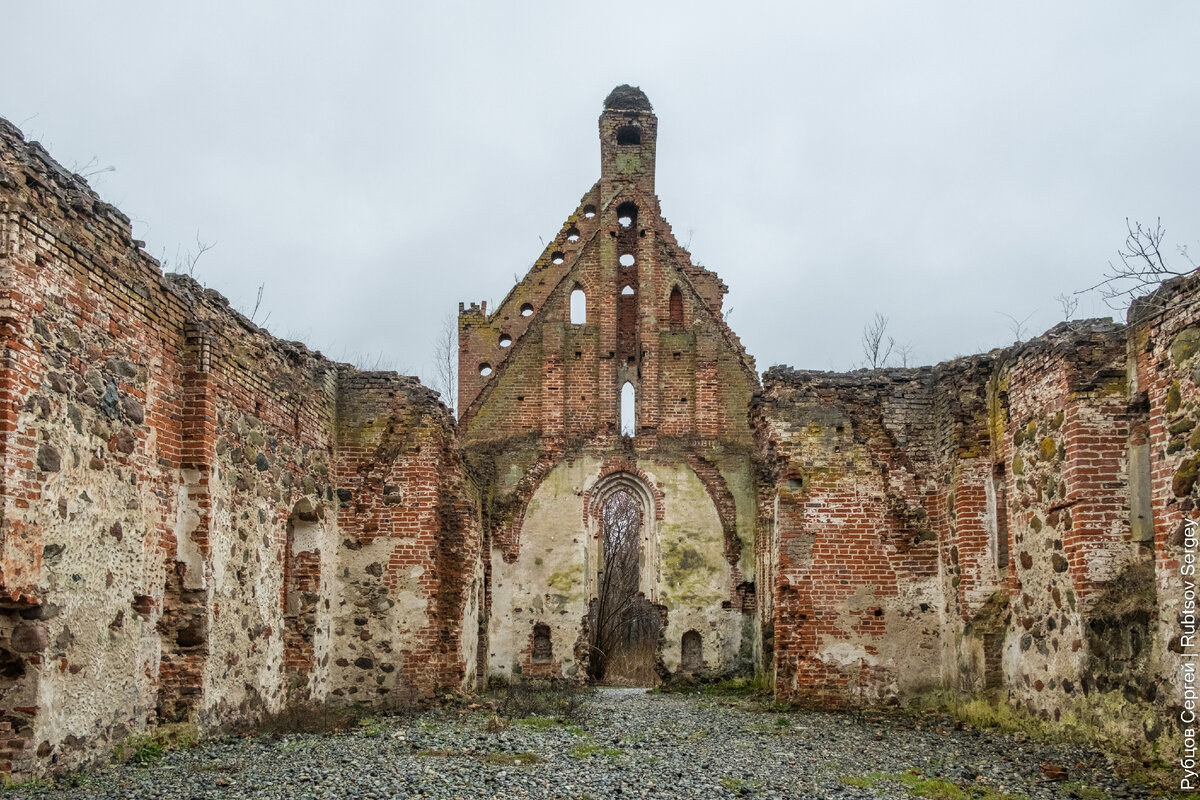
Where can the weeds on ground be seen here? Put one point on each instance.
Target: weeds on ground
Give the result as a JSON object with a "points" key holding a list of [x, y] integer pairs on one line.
{"points": [[1082, 790], [515, 759], [369, 726], [589, 749], [920, 785], [7, 784], [740, 686], [981, 711], [145, 748], [739, 784], [525, 698], [310, 718], [867, 781]]}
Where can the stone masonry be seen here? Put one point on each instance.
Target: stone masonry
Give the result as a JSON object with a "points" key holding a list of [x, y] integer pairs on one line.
{"points": [[202, 523]]}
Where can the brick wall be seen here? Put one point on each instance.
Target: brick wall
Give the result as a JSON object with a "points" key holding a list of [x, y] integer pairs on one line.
{"points": [[174, 487], [551, 402]]}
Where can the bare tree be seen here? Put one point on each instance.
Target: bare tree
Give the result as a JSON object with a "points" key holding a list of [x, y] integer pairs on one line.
{"points": [[445, 361], [185, 262], [1068, 303], [91, 168], [905, 353], [257, 305], [877, 345], [1019, 327], [1142, 265], [621, 627]]}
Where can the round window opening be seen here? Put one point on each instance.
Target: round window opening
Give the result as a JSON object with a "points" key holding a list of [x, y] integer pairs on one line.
{"points": [[627, 260], [557, 257], [505, 340], [526, 310], [485, 369], [589, 211], [573, 234]]}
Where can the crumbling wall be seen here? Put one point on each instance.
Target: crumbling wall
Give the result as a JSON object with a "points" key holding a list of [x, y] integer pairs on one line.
{"points": [[1064, 431], [91, 400], [409, 562], [1163, 342], [1018, 514], [259, 458], [176, 534], [857, 599]]}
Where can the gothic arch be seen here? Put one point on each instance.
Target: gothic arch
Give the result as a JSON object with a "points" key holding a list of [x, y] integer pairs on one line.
{"points": [[637, 485]]}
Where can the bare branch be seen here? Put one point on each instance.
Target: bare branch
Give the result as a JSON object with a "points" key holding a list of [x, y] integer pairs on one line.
{"points": [[257, 301], [445, 358], [877, 345], [91, 168], [1019, 327], [1067, 303], [1142, 266]]}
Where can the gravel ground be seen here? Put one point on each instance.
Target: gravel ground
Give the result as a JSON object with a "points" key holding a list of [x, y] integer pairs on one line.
{"points": [[631, 745]]}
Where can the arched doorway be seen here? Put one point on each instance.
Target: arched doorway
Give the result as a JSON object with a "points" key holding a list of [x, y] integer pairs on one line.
{"points": [[623, 624]]}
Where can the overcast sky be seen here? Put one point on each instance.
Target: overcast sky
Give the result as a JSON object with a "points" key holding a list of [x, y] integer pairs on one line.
{"points": [[372, 164]]}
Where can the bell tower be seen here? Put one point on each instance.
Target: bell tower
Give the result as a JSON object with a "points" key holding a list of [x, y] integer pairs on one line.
{"points": [[628, 132]]}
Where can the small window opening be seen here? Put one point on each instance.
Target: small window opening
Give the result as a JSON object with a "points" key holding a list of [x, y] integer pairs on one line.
{"points": [[485, 369], [573, 234], [627, 291], [578, 307], [999, 487], [543, 649], [526, 310], [676, 308], [629, 135], [557, 257], [625, 221], [627, 260], [691, 657], [627, 214], [505, 340], [589, 211], [628, 409]]}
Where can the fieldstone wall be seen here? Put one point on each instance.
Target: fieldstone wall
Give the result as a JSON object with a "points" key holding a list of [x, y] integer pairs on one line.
{"points": [[186, 500], [1011, 522]]}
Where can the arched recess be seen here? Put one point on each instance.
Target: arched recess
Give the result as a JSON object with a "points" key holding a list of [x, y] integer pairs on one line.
{"points": [[301, 585], [651, 504], [624, 624], [691, 656], [676, 308]]}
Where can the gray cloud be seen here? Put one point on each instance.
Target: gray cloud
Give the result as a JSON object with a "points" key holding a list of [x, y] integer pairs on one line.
{"points": [[374, 164]]}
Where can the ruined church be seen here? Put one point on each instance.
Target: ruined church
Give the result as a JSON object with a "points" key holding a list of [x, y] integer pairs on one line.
{"points": [[202, 523]]}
